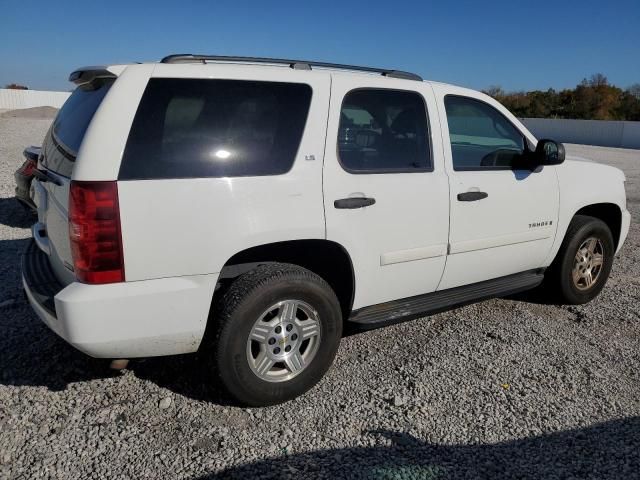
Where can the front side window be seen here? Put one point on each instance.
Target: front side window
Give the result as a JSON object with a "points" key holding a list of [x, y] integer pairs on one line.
{"points": [[190, 128], [383, 131], [481, 137]]}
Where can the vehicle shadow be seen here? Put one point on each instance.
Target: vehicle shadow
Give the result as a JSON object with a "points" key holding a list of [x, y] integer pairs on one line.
{"points": [[190, 375], [13, 214], [609, 450], [539, 296], [33, 355]]}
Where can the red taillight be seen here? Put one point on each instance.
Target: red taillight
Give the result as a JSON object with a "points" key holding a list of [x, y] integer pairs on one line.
{"points": [[28, 167], [94, 230]]}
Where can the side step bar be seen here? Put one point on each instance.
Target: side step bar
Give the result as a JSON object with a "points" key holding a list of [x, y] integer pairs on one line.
{"points": [[414, 307]]}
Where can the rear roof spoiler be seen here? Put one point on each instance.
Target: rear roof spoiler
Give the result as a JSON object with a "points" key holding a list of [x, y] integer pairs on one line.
{"points": [[89, 74]]}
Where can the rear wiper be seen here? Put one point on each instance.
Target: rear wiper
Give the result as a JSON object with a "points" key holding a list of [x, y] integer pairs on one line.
{"points": [[45, 176]]}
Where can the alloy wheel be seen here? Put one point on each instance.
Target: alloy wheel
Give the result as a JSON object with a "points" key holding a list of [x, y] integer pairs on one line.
{"points": [[283, 341], [588, 263]]}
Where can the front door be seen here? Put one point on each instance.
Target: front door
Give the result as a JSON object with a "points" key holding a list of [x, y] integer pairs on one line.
{"points": [[386, 192], [503, 216]]}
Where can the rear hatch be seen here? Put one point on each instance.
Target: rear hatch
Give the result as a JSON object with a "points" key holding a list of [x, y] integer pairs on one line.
{"points": [[59, 152]]}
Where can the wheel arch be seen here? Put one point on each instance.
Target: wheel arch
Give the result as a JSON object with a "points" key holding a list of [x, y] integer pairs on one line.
{"points": [[609, 213], [327, 259]]}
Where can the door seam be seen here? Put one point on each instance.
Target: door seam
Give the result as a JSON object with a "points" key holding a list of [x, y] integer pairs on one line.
{"points": [[444, 167], [324, 156]]}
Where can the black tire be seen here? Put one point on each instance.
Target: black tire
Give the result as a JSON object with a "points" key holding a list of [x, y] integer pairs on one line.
{"points": [[243, 303], [558, 278]]}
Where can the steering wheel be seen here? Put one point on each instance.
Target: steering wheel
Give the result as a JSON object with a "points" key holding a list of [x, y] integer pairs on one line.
{"points": [[503, 157]]}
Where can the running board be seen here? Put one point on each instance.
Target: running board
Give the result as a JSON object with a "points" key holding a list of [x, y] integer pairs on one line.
{"points": [[414, 307]]}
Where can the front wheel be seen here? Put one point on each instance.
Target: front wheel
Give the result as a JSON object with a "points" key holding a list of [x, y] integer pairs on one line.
{"points": [[279, 327], [584, 261]]}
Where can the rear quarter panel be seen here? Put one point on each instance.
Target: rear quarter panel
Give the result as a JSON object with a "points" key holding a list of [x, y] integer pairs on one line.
{"points": [[101, 150], [175, 227]]}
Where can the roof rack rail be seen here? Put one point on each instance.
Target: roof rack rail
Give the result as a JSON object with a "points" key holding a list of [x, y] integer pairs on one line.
{"points": [[295, 64]]}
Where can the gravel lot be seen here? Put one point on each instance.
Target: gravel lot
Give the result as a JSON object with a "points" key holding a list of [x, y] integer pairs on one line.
{"points": [[502, 389]]}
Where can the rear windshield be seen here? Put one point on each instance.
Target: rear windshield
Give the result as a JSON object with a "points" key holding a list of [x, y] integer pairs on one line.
{"points": [[63, 141], [187, 128]]}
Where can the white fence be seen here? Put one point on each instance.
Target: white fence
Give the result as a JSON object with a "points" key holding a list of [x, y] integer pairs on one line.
{"points": [[13, 99], [589, 132]]}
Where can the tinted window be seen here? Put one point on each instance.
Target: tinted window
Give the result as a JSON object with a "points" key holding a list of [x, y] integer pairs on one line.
{"points": [[383, 130], [481, 137], [63, 141], [215, 128]]}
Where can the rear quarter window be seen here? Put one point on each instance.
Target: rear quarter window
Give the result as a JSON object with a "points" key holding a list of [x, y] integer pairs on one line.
{"points": [[191, 128], [65, 136]]}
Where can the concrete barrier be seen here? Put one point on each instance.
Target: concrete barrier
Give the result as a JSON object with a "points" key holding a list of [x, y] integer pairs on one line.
{"points": [[14, 99], [619, 134], [631, 135]]}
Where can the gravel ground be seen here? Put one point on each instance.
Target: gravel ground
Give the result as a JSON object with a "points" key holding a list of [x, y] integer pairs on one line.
{"points": [[501, 389], [37, 113]]}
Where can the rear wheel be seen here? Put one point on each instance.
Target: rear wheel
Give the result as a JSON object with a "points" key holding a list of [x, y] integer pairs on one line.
{"points": [[279, 327], [584, 261]]}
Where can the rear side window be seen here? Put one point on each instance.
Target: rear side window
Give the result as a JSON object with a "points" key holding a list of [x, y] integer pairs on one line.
{"points": [[65, 136], [187, 128], [383, 131]]}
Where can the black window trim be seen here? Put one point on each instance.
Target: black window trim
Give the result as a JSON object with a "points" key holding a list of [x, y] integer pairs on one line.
{"points": [[479, 168], [163, 77], [377, 171], [62, 148]]}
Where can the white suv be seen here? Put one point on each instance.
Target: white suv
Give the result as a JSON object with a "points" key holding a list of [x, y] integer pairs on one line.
{"points": [[270, 203]]}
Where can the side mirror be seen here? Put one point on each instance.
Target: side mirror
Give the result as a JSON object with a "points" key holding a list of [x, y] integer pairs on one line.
{"points": [[549, 152]]}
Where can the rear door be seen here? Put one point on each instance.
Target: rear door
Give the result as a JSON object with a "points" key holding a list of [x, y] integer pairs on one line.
{"points": [[385, 189], [59, 152]]}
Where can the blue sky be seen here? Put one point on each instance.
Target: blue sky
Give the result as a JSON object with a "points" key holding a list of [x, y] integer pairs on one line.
{"points": [[519, 45]]}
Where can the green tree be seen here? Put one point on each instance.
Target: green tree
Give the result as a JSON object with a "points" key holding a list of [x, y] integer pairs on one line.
{"points": [[16, 86], [634, 90], [593, 98]]}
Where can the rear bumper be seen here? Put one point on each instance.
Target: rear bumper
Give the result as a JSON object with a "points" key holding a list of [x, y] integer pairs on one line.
{"points": [[148, 318]]}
